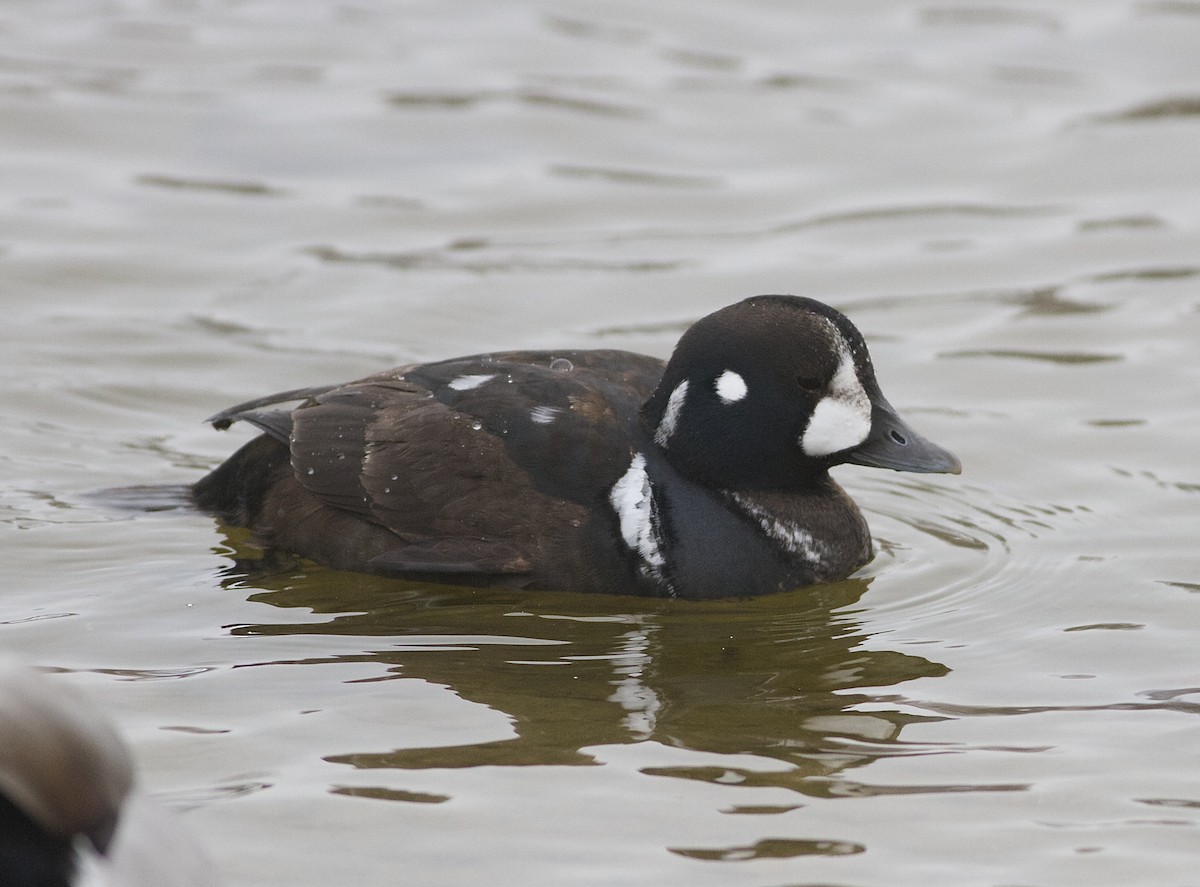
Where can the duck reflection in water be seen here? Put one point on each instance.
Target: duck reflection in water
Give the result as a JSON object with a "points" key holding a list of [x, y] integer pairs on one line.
{"points": [[779, 676]]}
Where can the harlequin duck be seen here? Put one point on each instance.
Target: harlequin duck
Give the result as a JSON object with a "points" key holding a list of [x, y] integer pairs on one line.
{"points": [[594, 471]]}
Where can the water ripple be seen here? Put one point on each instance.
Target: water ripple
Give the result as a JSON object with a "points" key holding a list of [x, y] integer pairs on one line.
{"points": [[1065, 358], [965, 537], [1183, 107], [451, 258], [773, 848], [182, 183]]}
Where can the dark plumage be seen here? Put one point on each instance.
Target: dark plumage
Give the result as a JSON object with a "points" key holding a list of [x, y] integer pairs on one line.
{"points": [[599, 471]]}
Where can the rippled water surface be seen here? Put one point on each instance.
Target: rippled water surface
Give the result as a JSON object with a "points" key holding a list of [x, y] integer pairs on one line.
{"points": [[205, 202]]}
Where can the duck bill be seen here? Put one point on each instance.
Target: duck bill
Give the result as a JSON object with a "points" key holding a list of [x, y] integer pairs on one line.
{"points": [[893, 444], [102, 833]]}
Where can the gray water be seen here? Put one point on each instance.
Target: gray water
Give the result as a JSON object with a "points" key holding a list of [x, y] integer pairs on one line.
{"points": [[203, 202]]}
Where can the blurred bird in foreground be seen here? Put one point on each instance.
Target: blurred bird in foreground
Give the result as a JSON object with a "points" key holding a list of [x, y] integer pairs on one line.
{"points": [[71, 813]]}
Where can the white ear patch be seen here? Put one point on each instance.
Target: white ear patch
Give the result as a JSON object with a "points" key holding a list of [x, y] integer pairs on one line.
{"points": [[730, 387], [842, 418], [671, 414]]}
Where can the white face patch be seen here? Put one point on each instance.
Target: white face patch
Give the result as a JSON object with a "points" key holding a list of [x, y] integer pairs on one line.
{"points": [[466, 383], [730, 387], [842, 418], [544, 415], [632, 499], [671, 414]]}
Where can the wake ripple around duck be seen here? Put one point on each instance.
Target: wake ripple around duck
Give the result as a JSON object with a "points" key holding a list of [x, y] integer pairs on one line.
{"points": [[946, 546]]}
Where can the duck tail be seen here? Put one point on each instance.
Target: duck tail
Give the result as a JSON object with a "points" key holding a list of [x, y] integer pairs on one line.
{"points": [[235, 490]]}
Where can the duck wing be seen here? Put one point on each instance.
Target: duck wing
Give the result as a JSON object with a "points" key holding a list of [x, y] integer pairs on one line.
{"points": [[485, 465]]}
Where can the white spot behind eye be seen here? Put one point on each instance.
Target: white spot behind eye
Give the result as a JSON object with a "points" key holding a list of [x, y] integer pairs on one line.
{"points": [[671, 414], [466, 383], [730, 387], [842, 418]]}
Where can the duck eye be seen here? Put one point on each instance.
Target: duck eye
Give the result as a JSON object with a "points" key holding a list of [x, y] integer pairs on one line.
{"points": [[811, 384]]}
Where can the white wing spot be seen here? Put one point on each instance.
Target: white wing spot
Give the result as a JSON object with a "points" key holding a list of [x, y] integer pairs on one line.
{"points": [[730, 387], [671, 414], [544, 415], [842, 418], [466, 383]]}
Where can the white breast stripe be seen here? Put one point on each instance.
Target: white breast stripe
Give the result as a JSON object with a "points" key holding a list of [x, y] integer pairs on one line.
{"points": [[842, 418], [632, 499]]}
